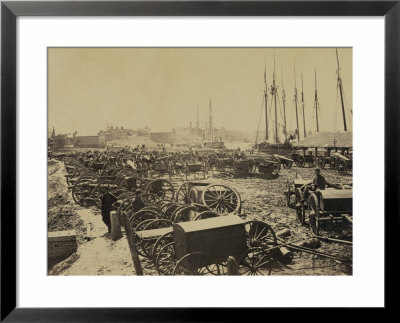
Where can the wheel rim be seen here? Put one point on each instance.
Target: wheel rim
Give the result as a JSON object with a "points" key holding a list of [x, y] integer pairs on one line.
{"points": [[197, 264], [221, 199]]}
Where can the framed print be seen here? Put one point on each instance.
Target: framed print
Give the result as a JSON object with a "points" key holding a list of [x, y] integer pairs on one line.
{"points": [[148, 143]]}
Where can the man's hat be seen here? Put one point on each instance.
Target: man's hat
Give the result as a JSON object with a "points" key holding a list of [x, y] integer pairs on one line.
{"points": [[317, 170]]}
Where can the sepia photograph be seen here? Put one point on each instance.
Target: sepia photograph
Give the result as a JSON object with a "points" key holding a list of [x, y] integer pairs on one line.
{"points": [[200, 161]]}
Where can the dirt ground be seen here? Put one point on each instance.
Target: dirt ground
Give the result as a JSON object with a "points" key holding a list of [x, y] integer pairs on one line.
{"points": [[262, 199]]}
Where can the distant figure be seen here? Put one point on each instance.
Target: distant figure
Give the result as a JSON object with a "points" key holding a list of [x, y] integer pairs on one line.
{"points": [[107, 200]]}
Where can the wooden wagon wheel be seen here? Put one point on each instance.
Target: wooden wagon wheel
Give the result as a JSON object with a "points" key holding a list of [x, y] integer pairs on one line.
{"points": [[312, 162], [81, 192], [288, 192], [165, 260], [183, 214], [321, 162], [161, 242], [332, 163], [142, 215], [221, 199], [140, 227], [287, 164], [146, 244], [255, 261], [342, 167], [126, 205], [183, 193], [299, 161], [300, 209], [158, 189], [197, 263], [206, 215], [259, 234], [313, 213]]}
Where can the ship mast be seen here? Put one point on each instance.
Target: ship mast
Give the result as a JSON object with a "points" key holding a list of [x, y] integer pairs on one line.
{"points": [[273, 93], [284, 107], [266, 102], [198, 122], [302, 103], [295, 104], [316, 103], [210, 123], [339, 82]]}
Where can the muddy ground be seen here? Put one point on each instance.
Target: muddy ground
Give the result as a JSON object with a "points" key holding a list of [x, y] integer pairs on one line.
{"points": [[262, 199]]}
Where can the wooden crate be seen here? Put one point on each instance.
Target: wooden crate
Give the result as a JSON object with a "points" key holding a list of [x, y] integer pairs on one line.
{"points": [[219, 237], [61, 244]]}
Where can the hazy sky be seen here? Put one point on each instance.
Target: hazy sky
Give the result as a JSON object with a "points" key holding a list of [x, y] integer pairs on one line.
{"points": [[90, 88]]}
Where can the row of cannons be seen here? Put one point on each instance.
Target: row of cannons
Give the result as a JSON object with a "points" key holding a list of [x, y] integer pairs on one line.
{"points": [[194, 228]]}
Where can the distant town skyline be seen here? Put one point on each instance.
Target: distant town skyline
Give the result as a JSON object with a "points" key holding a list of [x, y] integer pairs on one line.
{"points": [[161, 88]]}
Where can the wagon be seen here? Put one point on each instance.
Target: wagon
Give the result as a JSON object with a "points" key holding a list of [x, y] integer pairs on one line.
{"points": [[202, 247], [219, 198], [343, 164], [303, 157], [195, 168], [329, 205]]}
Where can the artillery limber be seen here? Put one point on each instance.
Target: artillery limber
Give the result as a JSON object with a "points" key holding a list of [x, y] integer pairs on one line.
{"points": [[329, 205], [343, 164], [304, 157], [202, 247]]}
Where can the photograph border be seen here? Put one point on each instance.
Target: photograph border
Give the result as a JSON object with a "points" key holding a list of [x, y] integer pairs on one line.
{"points": [[11, 10]]}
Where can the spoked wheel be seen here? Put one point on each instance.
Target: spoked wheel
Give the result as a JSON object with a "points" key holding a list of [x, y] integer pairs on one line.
{"points": [[259, 234], [146, 244], [142, 215], [342, 167], [312, 161], [255, 262], [288, 192], [138, 238], [287, 164], [160, 242], [299, 161], [197, 263], [321, 162], [81, 192], [221, 199], [158, 189], [313, 213], [300, 209], [165, 261], [183, 193], [206, 215], [182, 214]]}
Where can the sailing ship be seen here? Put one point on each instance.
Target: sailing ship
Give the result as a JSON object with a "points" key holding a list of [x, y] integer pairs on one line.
{"points": [[211, 140], [275, 146]]}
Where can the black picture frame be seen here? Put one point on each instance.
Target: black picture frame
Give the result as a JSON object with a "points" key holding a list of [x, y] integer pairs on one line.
{"points": [[10, 10]]}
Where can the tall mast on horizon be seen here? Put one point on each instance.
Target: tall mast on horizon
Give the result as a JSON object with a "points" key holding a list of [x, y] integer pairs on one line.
{"points": [[284, 106], [295, 104], [273, 93], [266, 102], [210, 123], [302, 103], [316, 103], [198, 122], [340, 85]]}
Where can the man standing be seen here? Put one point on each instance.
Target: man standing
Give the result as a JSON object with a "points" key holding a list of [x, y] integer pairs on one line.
{"points": [[107, 201]]}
